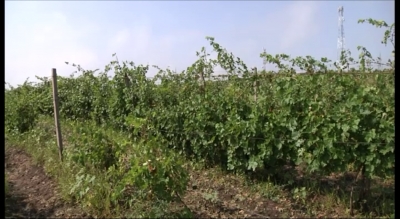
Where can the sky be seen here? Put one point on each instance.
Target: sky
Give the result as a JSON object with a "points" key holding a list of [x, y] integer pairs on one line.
{"points": [[41, 35]]}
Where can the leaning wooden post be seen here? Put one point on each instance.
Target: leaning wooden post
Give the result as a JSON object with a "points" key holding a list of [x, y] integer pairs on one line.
{"points": [[56, 115]]}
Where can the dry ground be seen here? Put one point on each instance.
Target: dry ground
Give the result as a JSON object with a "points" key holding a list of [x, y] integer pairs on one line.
{"points": [[33, 194]]}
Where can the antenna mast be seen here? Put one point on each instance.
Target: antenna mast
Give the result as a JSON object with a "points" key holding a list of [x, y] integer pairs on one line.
{"points": [[341, 41], [380, 62]]}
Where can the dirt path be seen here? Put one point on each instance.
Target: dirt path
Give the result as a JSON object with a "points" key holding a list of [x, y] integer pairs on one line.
{"points": [[33, 194]]}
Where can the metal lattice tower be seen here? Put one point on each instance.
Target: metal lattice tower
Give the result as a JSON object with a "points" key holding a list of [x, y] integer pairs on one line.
{"points": [[341, 41], [380, 62], [264, 61]]}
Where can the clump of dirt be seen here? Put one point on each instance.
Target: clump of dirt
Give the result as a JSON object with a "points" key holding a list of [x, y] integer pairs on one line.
{"points": [[33, 194]]}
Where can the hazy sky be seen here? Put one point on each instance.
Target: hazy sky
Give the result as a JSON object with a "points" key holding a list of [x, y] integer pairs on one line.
{"points": [[43, 35]]}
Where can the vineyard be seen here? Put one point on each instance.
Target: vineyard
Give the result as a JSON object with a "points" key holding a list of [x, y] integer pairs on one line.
{"points": [[130, 138]]}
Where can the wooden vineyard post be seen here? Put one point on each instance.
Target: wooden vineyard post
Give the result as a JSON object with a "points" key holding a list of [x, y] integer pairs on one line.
{"points": [[56, 115]]}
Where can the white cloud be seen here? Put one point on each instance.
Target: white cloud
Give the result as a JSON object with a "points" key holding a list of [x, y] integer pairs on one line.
{"points": [[55, 31], [141, 45], [294, 23], [45, 45], [43, 40], [279, 31], [299, 23], [119, 39]]}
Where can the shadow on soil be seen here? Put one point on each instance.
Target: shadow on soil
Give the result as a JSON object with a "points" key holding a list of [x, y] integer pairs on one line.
{"points": [[31, 193], [16, 206], [375, 202]]}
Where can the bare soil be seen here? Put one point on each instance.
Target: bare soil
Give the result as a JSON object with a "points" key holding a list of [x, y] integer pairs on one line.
{"points": [[213, 195], [33, 194]]}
